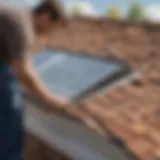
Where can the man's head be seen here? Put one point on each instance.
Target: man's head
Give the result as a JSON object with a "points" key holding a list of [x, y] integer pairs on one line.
{"points": [[47, 14], [16, 33]]}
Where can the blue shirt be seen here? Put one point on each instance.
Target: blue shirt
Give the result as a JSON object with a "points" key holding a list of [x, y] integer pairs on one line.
{"points": [[10, 115]]}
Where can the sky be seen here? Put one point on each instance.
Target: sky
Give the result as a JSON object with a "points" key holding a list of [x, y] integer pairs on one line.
{"points": [[99, 7], [93, 7]]}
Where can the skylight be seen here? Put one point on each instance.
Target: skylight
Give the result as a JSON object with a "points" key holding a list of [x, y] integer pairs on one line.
{"points": [[75, 76]]}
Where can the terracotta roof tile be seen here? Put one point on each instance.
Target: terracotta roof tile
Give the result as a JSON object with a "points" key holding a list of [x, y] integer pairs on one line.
{"points": [[142, 148], [130, 112], [36, 149]]}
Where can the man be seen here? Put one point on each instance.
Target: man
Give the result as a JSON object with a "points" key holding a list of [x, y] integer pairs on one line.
{"points": [[44, 14], [15, 39]]}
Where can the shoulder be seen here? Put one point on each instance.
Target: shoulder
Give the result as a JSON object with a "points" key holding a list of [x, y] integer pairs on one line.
{"points": [[6, 73], [7, 78], [10, 99], [9, 88]]}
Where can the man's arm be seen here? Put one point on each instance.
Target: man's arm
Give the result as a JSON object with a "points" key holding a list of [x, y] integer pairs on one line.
{"points": [[28, 78]]}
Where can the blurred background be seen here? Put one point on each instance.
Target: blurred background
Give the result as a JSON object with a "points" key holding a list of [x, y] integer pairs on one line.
{"points": [[124, 9]]}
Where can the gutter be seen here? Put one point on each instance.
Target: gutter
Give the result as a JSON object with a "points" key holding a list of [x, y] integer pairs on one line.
{"points": [[73, 139]]}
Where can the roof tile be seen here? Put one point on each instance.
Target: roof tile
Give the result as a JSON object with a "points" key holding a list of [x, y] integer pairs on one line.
{"points": [[130, 112], [142, 148]]}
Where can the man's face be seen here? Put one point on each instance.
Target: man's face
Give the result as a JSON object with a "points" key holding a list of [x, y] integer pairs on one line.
{"points": [[43, 21]]}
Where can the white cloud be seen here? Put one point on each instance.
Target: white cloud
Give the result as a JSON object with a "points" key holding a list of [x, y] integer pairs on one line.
{"points": [[86, 7], [32, 2], [153, 12]]}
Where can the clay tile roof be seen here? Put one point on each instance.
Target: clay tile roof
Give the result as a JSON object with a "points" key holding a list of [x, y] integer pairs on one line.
{"points": [[130, 112]]}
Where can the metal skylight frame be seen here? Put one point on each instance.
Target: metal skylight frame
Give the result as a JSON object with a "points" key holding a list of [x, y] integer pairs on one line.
{"points": [[103, 83]]}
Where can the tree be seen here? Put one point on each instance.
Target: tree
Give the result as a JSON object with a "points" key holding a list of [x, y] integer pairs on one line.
{"points": [[76, 10], [136, 11], [113, 12]]}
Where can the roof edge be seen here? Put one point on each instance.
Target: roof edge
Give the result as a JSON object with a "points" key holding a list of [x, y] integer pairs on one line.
{"points": [[146, 24]]}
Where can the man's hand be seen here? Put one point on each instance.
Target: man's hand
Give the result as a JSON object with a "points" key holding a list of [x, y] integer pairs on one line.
{"points": [[57, 102], [28, 78]]}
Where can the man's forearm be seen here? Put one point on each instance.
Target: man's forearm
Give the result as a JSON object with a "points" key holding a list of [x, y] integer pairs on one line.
{"points": [[30, 81]]}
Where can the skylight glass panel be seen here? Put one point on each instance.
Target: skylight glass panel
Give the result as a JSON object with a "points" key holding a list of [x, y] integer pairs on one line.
{"points": [[71, 75]]}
